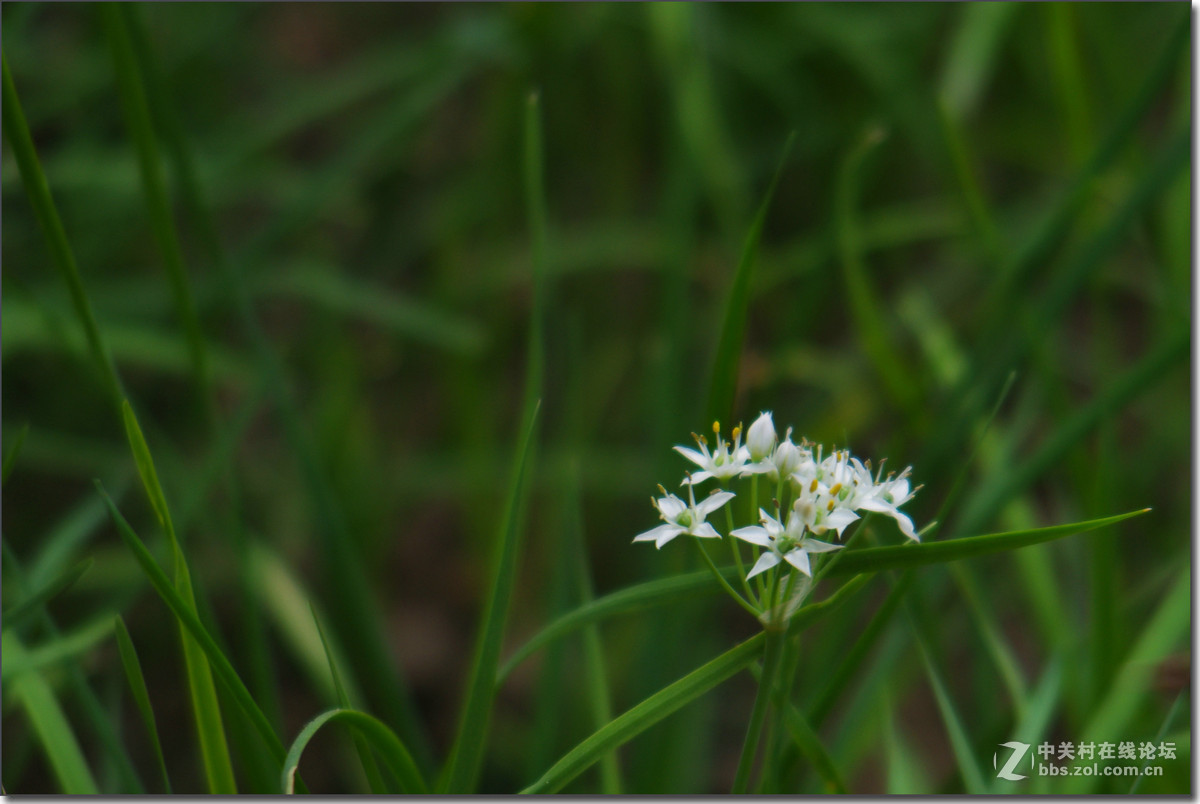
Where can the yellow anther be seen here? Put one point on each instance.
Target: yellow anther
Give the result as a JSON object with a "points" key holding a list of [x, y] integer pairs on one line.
{"points": [[812, 487], [830, 506], [737, 431], [716, 428], [836, 488]]}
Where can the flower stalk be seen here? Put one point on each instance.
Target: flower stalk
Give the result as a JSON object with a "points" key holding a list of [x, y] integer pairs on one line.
{"points": [[771, 657], [818, 495]]}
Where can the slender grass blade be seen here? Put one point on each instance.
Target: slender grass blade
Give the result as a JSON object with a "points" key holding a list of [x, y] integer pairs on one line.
{"points": [[381, 738], [650, 711], [141, 696], [49, 723]]}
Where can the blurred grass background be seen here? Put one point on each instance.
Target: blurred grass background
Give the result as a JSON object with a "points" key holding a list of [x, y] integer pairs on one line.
{"points": [[983, 203]]}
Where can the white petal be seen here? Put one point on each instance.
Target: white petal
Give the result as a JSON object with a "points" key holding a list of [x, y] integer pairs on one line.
{"points": [[760, 468], [765, 562], [714, 501], [705, 531], [774, 527], [654, 533], [698, 477], [839, 518], [815, 546], [753, 534], [695, 457], [906, 526], [799, 559], [875, 504], [667, 536], [671, 507]]}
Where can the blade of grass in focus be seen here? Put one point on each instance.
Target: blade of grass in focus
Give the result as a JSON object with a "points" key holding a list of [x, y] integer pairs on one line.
{"points": [[370, 768], [141, 696], [964, 752], [877, 559], [98, 718], [374, 731], [357, 618], [646, 714], [466, 755], [656, 593], [593, 650], [16, 131], [287, 603], [624, 601], [187, 618], [49, 723], [722, 390], [135, 82], [218, 766], [550, 715], [158, 205]]}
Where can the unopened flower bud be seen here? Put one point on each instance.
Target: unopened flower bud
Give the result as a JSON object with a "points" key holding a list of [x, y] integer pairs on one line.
{"points": [[787, 458], [761, 438]]}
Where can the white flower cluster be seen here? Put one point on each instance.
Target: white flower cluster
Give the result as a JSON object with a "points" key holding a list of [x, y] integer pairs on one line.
{"points": [[821, 493]]}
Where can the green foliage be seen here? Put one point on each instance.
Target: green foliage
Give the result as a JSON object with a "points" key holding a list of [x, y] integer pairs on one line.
{"points": [[377, 735], [412, 302]]}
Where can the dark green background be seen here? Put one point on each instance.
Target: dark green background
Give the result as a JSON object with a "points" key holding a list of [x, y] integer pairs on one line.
{"points": [[363, 165]]}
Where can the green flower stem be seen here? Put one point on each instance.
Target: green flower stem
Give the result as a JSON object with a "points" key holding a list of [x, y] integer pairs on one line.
{"points": [[773, 582], [791, 658], [754, 498], [787, 595], [741, 600], [775, 640], [737, 558]]}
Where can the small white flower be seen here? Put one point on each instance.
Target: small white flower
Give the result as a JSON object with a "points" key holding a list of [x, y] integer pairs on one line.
{"points": [[790, 544], [819, 512], [887, 497], [681, 517], [760, 438], [724, 462], [787, 457], [785, 460]]}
